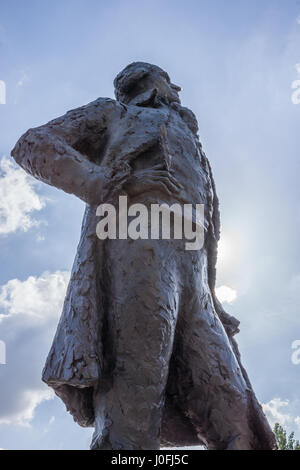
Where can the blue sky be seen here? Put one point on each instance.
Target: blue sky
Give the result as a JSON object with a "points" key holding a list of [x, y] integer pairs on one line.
{"points": [[236, 61]]}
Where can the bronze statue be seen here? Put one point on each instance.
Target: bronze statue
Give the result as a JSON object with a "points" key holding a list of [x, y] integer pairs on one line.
{"points": [[144, 351]]}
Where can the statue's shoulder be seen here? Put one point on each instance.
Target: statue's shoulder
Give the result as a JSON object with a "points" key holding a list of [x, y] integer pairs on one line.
{"points": [[105, 103], [100, 105]]}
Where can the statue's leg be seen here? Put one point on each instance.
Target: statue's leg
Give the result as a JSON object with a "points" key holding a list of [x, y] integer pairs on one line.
{"points": [[141, 312], [211, 389]]}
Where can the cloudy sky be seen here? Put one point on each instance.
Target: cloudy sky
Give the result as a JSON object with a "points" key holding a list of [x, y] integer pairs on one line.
{"points": [[238, 62]]}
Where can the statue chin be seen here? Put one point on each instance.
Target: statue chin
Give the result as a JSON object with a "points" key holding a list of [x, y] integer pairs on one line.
{"points": [[147, 98], [152, 98]]}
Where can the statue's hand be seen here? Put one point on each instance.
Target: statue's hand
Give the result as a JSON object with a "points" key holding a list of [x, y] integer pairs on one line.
{"points": [[108, 183], [155, 178]]}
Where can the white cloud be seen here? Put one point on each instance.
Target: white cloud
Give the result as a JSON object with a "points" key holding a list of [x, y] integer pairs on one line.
{"points": [[273, 411], [30, 400], [35, 297], [17, 199], [286, 418], [226, 294], [297, 421], [29, 311]]}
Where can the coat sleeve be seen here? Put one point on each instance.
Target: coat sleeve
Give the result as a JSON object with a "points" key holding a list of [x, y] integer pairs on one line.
{"points": [[66, 152]]}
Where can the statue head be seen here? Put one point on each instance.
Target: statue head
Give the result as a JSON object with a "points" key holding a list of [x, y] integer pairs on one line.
{"points": [[141, 82]]}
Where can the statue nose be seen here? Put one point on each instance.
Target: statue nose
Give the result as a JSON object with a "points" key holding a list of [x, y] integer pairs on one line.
{"points": [[175, 87]]}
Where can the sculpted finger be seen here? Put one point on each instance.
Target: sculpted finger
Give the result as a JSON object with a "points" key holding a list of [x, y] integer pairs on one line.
{"points": [[166, 181], [165, 187], [167, 175], [176, 182], [159, 166]]}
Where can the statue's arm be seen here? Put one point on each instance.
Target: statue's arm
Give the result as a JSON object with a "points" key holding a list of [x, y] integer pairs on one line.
{"points": [[61, 153]]}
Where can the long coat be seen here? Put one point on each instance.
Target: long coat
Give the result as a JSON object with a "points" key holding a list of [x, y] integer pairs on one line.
{"points": [[106, 133]]}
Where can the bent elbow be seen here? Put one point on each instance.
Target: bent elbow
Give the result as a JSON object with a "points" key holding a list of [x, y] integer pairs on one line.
{"points": [[22, 148]]}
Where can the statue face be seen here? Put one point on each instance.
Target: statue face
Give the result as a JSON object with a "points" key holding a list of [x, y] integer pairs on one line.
{"points": [[165, 90]]}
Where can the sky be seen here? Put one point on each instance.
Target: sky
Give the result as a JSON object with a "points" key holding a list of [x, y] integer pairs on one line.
{"points": [[238, 63]]}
